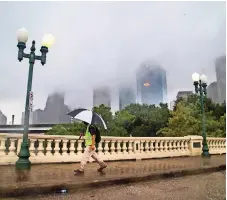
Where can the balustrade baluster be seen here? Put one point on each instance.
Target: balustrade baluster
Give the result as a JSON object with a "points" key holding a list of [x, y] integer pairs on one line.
{"points": [[40, 148], [124, 148], [49, 148], [130, 148], [170, 146], [165, 146], [152, 146], [100, 149], [146, 146], [12, 147], [161, 146], [181, 148], [32, 148], [106, 147], [64, 147], [156, 146], [2, 146], [57, 147], [72, 147], [174, 146], [112, 147], [186, 145], [79, 147], [119, 146]]}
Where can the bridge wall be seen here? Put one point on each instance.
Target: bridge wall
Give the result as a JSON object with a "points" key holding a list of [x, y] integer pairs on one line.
{"points": [[58, 149]]}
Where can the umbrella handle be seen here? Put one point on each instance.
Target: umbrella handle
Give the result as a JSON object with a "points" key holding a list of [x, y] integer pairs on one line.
{"points": [[81, 134]]}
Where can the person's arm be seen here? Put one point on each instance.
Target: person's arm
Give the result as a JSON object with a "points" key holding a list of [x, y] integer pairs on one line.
{"points": [[81, 135], [93, 140]]}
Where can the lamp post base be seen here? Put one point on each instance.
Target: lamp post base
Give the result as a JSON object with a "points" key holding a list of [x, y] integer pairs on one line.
{"points": [[206, 154], [205, 148], [23, 162]]}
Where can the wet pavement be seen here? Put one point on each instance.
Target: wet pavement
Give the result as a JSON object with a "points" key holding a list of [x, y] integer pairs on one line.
{"points": [[62, 174], [200, 187]]}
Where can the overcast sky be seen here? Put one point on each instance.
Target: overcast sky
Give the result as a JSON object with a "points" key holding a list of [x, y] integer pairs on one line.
{"points": [[102, 43]]}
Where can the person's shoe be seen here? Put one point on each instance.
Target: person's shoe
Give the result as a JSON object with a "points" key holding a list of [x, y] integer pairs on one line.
{"points": [[102, 168], [78, 171]]}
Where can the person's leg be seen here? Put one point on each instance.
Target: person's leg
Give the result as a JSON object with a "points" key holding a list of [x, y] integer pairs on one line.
{"points": [[85, 159], [97, 158]]}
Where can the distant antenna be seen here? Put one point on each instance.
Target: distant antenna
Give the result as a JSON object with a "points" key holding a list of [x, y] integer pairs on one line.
{"points": [[13, 119]]}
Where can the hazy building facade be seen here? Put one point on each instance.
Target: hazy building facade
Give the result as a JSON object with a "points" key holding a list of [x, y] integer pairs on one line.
{"points": [[101, 96], [212, 92], [184, 94], [171, 105], [220, 68], [3, 119], [151, 84], [126, 96], [55, 112], [30, 118]]}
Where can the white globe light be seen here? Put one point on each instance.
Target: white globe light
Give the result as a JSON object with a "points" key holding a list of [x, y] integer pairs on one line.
{"points": [[22, 35], [203, 78], [195, 77], [48, 40]]}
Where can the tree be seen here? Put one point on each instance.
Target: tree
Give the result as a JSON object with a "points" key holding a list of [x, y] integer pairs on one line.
{"points": [[178, 100], [217, 110], [187, 119], [67, 129], [113, 130], [57, 130], [182, 123], [105, 113], [149, 118], [124, 119]]}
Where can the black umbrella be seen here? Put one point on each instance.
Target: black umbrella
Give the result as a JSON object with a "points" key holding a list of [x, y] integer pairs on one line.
{"points": [[87, 116]]}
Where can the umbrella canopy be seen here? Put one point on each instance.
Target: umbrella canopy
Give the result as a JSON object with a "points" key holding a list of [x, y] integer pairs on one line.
{"points": [[87, 116]]}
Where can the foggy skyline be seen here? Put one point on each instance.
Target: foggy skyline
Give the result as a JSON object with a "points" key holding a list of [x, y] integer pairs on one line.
{"points": [[103, 43]]}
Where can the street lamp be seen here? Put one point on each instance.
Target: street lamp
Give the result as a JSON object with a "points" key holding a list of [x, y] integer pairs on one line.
{"points": [[22, 36], [200, 83]]}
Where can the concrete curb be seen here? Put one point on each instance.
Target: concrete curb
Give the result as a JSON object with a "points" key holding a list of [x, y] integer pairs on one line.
{"points": [[73, 187]]}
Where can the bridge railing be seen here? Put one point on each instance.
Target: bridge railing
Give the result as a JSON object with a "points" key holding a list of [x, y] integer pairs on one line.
{"points": [[57, 149]]}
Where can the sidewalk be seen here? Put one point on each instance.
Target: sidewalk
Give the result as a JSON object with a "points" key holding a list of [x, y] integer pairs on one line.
{"points": [[48, 178]]}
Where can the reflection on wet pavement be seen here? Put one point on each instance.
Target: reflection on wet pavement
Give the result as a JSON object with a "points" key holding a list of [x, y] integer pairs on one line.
{"points": [[59, 173]]}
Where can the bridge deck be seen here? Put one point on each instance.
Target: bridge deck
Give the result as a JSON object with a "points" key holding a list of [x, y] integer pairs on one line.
{"points": [[49, 177]]}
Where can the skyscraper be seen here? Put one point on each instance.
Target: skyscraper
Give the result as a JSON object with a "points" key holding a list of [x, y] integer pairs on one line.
{"points": [[212, 92], [171, 105], [101, 96], [3, 118], [183, 94], [126, 96], [30, 118], [220, 68], [151, 84], [55, 112]]}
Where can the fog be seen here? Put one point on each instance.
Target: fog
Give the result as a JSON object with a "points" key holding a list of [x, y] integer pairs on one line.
{"points": [[103, 43]]}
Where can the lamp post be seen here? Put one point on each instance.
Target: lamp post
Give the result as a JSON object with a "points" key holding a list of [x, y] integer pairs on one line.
{"points": [[22, 36], [200, 83]]}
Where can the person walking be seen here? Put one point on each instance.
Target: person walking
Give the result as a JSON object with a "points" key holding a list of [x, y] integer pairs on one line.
{"points": [[92, 137]]}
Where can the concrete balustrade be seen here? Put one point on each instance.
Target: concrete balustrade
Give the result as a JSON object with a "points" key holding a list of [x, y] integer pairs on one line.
{"points": [[57, 149], [217, 145]]}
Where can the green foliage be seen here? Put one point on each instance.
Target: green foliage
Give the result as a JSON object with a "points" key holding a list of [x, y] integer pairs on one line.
{"points": [[186, 119], [105, 112], [150, 120], [183, 122], [67, 129], [126, 120]]}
